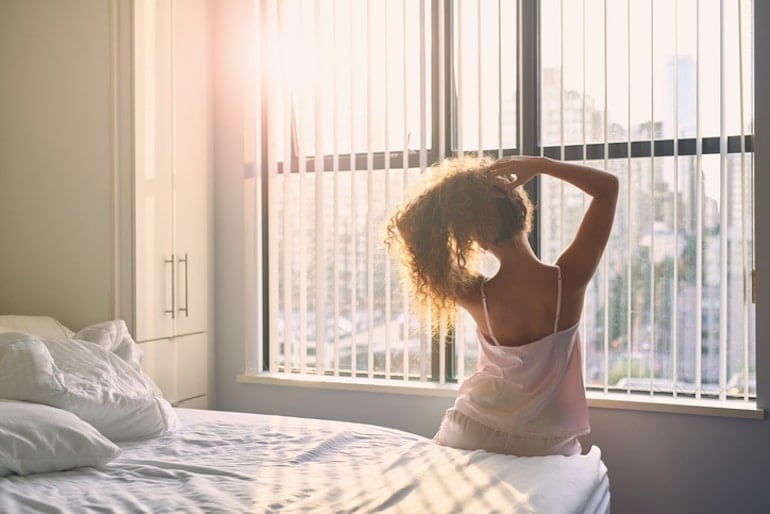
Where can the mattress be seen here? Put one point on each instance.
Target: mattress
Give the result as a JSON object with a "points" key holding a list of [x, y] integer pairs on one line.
{"points": [[223, 462]]}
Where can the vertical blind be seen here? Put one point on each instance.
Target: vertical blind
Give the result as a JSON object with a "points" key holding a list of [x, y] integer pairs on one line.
{"points": [[347, 129], [356, 102], [659, 93], [358, 98]]}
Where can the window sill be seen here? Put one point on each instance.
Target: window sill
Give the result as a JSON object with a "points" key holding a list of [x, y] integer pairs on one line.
{"points": [[596, 400], [346, 384], [703, 407]]}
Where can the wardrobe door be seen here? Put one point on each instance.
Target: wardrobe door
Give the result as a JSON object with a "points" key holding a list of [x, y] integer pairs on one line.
{"points": [[179, 367], [159, 362], [191, 367], [192, 156], [155, 281]]}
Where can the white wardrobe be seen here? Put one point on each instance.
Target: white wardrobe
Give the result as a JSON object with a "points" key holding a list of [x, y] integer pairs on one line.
{"points": [[171, 195], [106, 182]]}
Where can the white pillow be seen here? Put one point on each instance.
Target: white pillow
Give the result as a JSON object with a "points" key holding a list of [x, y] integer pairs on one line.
{"points": [[114, 336], [40, 326], [87, 380], [36, 438]]}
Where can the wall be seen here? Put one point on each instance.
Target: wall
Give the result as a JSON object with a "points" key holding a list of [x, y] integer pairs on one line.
{"points": [[57, 231], [56, 160], [658, 463]]}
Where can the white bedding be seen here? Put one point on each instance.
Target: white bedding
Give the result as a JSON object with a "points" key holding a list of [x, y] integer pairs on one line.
{"points": [[236, 462]]}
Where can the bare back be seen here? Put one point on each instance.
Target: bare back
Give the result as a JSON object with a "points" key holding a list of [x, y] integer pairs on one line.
{"points": [[524, 305]]}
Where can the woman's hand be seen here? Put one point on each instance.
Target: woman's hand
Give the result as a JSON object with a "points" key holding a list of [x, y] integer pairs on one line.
{"points": [[581, 257], [513, 171]]}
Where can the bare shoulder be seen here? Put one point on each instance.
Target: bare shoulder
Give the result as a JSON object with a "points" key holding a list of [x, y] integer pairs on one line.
{"points": [[573, 287]]}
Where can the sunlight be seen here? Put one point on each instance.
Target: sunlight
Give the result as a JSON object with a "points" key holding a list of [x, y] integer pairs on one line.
{"points": [[349, 73]]}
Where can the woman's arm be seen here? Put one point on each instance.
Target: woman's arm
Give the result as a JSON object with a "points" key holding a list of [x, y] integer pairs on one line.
{"points": [[581, 257]]}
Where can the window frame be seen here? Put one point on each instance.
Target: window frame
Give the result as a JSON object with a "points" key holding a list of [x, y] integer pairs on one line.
{"points": [[528, 126]]}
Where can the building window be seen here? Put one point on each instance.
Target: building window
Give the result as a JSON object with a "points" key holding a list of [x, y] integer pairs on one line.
{"points": [[359, 98]]}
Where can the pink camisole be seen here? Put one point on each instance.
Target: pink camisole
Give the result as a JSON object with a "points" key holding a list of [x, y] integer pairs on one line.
{"points": [[532, 390]]}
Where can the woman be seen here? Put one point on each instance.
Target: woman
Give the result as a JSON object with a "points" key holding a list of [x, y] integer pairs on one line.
{"points": [[527, 396]]}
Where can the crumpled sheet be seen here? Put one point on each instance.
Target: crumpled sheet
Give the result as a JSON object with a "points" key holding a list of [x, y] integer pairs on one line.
{"points": [[225, 462]]}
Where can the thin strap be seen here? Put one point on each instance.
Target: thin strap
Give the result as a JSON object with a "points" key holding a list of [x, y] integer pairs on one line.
{"points": [[486, 313], [558, 299]]}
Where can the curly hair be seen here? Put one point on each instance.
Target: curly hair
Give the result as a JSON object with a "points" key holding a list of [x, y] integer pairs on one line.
{"points": [[437, 235]]}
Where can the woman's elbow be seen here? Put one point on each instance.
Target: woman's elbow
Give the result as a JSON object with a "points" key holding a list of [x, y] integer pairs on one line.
{"points": [[612, 187]]}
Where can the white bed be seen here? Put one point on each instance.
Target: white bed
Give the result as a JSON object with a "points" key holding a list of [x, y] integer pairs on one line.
{"points": [[215, 461]]}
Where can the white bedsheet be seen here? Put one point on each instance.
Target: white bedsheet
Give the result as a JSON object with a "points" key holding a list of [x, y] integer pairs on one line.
{"points": [[236, 462]]}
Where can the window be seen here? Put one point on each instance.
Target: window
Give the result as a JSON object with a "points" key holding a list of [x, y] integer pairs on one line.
{"points": [[358, 98], [665, 103]]}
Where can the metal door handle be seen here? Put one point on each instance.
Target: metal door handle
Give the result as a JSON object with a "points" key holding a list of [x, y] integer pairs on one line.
{"points": [[173, 288], [186, 296]]}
